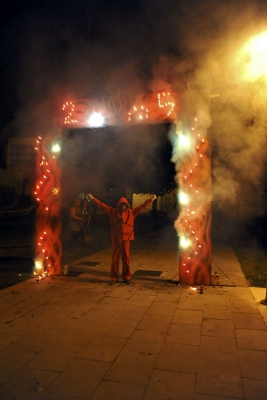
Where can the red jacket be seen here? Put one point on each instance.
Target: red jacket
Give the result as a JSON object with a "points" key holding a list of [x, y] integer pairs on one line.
{"points": [[122, 222]]}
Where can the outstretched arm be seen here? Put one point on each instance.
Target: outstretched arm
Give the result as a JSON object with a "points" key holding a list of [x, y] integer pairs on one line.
{"points": [[137, 210], [104, 207]]}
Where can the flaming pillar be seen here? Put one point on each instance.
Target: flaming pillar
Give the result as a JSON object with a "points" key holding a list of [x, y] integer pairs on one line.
{"points": [[47, 191], [193, 165]]}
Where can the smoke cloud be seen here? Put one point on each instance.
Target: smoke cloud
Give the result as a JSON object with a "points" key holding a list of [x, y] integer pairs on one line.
{"points": [[210, 39]]}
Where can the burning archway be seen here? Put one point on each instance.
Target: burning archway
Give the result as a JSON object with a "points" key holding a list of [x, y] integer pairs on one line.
{"points": [[193, 178]]}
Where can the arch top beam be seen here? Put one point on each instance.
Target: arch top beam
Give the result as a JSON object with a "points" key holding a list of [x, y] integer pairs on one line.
{"points": [[151, 108]]}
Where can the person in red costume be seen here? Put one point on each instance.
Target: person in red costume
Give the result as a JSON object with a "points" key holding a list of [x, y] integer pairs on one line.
{"points": [[122, 232]]}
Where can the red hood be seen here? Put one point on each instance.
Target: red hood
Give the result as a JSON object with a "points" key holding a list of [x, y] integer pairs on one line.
{"points": [[123, 200]]}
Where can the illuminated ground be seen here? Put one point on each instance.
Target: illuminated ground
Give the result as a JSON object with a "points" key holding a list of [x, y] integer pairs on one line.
{"points": [[77, 337]]}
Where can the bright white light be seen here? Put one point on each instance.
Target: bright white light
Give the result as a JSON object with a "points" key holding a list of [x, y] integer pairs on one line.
{"points": [[184, 140], [55, 148], [38, 267], [183, 198], [96, 120], [184, 242], [257, 50]]}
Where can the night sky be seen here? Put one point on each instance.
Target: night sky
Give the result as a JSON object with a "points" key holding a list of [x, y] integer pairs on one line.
{"points": [[53, 50]]}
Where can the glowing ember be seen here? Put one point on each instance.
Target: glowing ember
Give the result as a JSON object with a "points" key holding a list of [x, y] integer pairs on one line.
{"points": [[56, 148], [55, 191], [184, 141], [184, 243], [38, 267], [183, 198]]}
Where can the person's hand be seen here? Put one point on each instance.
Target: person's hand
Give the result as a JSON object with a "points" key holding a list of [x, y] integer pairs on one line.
{"points": [[90, 196], [153, 197]]}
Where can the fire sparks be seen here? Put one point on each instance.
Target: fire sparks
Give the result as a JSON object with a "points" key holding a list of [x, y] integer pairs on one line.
{"points": [[55, 191]]}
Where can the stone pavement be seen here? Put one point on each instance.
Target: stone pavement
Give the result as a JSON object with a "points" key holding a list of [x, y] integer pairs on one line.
{"points": [[76, 337]]}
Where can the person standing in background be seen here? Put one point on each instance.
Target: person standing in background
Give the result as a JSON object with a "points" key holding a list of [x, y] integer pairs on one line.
{"points": [[75, 223], [86, 211]]}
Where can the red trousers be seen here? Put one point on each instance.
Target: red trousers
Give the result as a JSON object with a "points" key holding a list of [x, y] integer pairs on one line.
{"points": [[120, 248]]}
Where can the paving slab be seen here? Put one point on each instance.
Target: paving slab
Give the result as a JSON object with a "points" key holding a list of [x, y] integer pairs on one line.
{"points": [[253, 363], [178, 357], [27, 383], [255, 389], [80, 379], [222, 379], [170, 385], [218, 327], [118, 391], [12, 360], [102, 348], [184, 334], [133, 367]]}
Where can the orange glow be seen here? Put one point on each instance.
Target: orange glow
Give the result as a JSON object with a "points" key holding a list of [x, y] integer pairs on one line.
{"points": [[48, 225]]}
